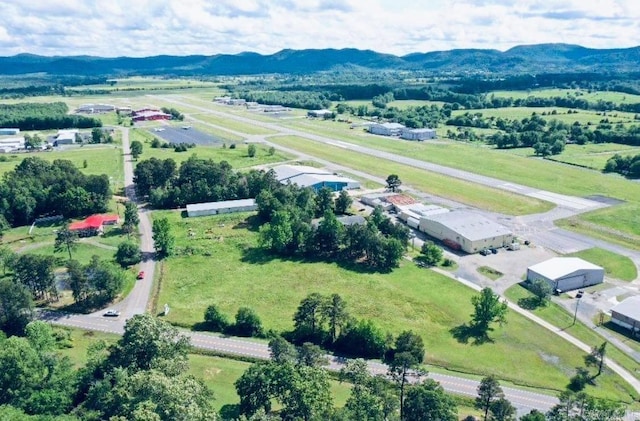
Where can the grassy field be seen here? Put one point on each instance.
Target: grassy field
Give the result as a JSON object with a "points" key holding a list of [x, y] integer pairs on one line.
{"points": [[561, 114], [557, 316], [615, 265], [237, 157], [462, 191], [237, 274], [101, 159], [617, 97], [593, 156]]}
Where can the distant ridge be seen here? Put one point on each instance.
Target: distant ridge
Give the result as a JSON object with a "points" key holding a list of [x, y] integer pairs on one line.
{"points": [[524, 58]]}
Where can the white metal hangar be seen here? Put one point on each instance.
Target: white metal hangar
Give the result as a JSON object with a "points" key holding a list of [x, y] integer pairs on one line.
{"points": [[315, 178], [467, 231], [566, 273], [225, 206], [627, 314]]}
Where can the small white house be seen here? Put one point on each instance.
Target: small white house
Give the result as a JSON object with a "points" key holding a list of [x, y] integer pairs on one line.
{"points": [[225, 206], [566, 273]]}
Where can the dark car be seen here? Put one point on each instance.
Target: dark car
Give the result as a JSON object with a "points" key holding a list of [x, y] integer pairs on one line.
{"points": [[494, 250]]}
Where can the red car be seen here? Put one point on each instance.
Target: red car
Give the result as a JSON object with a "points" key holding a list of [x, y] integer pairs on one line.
{"points": [[140, 275]]}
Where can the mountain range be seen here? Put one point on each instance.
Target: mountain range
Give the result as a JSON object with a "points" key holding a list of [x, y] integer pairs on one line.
{"points": [[539, 58]]}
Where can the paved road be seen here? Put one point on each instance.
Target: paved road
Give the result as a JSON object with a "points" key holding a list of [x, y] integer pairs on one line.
{"points": [[137, 300], [523, 400]]}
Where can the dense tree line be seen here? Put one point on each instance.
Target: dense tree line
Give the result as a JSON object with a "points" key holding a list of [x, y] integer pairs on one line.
{"points": [[37, 187], [308, 100], [46, 116], [628, 166], [196, 181]]}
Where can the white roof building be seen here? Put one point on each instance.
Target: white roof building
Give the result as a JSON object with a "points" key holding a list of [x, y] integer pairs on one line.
{"points": [[566, 273], [225, 206], [466, 231], [627, 314], [315, 178]]}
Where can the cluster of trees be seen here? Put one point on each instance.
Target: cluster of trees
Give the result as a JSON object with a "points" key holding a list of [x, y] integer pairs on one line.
{"points": [[628, 166], [197, 180], [378, 244], [308, 100], [414, 117], [177, 147], [38, 187], [99, 135], [296, 379], [94, 284], [143, 376], [247, 322], [175, 114], [45, 116]]}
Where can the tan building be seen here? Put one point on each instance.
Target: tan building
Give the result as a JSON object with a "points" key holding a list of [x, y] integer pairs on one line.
{"points": [[467, 231]]}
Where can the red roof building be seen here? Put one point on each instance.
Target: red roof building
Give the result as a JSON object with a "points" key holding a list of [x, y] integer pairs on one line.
{"points": [[93, 225]]}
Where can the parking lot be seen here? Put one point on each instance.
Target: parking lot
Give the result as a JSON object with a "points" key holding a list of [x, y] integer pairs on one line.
{"points": [[186, 135]]}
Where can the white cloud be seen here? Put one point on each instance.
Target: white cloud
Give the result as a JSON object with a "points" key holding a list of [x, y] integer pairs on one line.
{"points": [[151, 27]]}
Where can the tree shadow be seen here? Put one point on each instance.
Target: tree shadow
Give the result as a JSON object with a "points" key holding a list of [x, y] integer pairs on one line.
{"points": [[529, 303], [252, 223], [465, 333], [230, 412]]}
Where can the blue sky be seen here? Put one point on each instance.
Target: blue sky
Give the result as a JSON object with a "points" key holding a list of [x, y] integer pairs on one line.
{"points": [[151, 27]]}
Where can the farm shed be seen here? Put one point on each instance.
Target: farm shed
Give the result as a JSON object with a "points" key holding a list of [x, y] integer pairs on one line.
{"points": [[468, 231], [418, 134], [312, 177], [386, 129], [225, 206], [627, 314], [566, 273]]}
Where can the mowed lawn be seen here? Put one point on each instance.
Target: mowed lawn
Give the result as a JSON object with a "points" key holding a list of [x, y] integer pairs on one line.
{"points": [[100, 159], [235, 274], [617, 97], [463, 191], [238, 157], [615, 265], [591, 155], [551, 113]]}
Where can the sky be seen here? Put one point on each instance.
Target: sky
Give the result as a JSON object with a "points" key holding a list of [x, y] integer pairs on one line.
{"points": [[138, 28]]}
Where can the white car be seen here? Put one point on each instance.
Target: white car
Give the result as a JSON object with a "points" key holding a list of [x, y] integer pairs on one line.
{"points": [[111, 313]]}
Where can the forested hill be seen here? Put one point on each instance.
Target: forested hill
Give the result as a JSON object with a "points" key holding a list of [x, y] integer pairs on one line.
{"points": [[525, 58]]}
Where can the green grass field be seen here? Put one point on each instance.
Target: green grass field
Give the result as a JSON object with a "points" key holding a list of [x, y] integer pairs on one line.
{"points": [[101, 159], [462, 191], [237, 157], [561, 114], [615, 265], [593, 156], [236, 274], [617, 97]]}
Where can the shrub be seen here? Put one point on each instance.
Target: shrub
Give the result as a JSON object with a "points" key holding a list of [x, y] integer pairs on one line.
{"points": [[215, 320]]}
